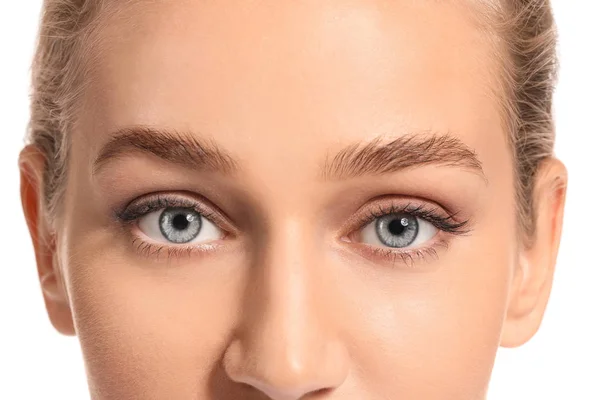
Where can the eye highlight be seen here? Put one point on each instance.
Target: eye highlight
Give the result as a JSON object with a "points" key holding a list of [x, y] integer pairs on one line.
{"points": [[178, 225], [401, 230], [175, 224], [182, 224], [407, 232]]}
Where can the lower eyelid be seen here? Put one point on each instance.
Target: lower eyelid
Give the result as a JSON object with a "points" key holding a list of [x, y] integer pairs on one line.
{"points": [[410, 255], [413, 256], [151, 248], [439, 240]]}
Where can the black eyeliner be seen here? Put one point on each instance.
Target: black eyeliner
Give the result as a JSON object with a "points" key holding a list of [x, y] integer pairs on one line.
{"points": [[138, 209], [446, 224]]}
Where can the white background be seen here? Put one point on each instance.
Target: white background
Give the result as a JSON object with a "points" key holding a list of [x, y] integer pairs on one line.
{"points": [[561, 362]]}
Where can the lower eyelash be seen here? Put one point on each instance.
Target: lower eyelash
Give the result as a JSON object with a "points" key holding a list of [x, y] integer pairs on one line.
{"points": [[408, 256], [447, 225], [151, 250], [129, 216]]}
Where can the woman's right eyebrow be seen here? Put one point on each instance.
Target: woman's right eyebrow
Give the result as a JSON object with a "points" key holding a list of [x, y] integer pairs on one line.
{"points": [[378, 156], [177, 147]]}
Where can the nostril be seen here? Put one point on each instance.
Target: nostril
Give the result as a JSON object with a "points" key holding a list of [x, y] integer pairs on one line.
{"points": [[285, 392]]}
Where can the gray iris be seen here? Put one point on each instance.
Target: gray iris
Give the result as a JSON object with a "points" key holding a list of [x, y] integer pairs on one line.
{"points": [[180, 225], [397, 230]]}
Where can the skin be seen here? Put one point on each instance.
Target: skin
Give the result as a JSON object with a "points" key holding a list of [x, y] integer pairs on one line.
{"points": [[291, 303]]}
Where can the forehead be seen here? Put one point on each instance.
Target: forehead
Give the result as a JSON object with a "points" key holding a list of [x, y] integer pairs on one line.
{"points": [[294, 75]]}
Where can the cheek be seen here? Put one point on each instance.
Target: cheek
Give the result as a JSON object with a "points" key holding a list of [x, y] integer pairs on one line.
{"points": [[148, 327], [434, 334], [145, 329]]}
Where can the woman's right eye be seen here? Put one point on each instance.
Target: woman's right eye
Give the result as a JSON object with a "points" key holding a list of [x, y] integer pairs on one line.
{"points": [[178, 225]]}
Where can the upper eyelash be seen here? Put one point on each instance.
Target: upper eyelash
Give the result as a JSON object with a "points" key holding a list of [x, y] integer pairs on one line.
{"points": [[159, 202], [137, 209], [447, 224], [410, 256]]}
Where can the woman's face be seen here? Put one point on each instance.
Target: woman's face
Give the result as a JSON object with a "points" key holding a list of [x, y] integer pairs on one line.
{"points": [[289, 200]]}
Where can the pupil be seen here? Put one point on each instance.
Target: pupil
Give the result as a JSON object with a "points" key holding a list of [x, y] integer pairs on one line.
{"points": [[180, 222], [396, 227]]}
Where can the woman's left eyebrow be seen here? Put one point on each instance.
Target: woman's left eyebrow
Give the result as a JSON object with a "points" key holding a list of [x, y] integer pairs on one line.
{"points": [[417, 149]]}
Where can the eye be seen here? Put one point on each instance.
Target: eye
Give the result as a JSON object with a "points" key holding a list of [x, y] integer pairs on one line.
{"points": [[398, 230], [178, 225]]}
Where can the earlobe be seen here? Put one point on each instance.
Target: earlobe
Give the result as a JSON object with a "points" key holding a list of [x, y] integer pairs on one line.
{"points": [[532, 280], [31, 166]]}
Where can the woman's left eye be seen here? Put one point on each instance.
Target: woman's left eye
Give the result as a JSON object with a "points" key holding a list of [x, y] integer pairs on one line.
{"points": [[178, 225], [398, 230]]}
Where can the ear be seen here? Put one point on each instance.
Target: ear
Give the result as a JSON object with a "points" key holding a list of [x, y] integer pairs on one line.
{"points": [[533, 276], [31, 165]]}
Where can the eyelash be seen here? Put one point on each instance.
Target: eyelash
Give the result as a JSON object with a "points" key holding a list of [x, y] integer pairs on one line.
{"points": [[448, 224], [158, 202], [139, 208]]}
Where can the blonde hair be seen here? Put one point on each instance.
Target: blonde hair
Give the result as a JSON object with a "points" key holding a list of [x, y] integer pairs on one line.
{"points": [[526, 29]]}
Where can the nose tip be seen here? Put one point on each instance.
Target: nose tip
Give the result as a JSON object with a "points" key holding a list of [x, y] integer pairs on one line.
{"points": [[286, 374]]}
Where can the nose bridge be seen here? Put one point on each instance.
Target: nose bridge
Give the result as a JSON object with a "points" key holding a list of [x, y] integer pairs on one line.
{"points": [[280, 311], [280, 303], [284, 346], [286, 272]]}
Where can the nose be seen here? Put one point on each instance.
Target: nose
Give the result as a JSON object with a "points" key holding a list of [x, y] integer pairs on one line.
{"points": [[286, 346]]}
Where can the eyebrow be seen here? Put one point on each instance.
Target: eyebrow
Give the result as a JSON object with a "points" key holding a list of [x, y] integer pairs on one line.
{"points": [[181, 148], [374, 157], [379, 156]]}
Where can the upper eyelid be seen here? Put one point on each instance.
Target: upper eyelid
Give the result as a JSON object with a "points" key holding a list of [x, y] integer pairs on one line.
{"points": [[366, 213], [213, 213], [207, 209], [133, 210], [131, 213]]}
